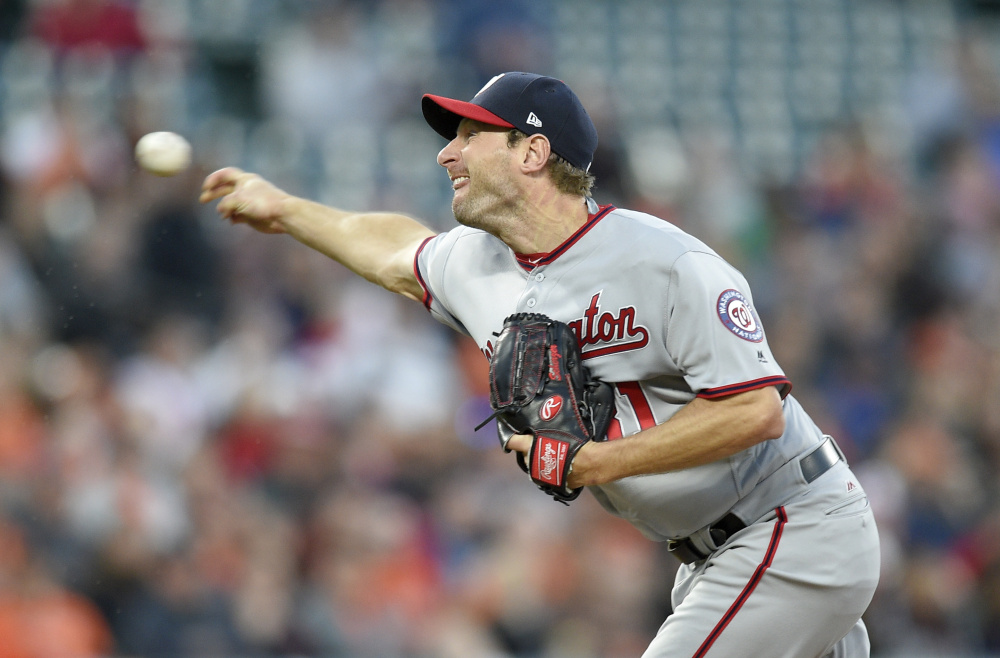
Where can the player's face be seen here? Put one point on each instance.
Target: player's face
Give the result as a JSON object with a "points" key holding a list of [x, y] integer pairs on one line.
{"points": [[480, 165]]}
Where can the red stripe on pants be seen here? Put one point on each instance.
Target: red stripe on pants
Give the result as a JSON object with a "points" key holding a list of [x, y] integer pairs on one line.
{"points": [[758, 575]]}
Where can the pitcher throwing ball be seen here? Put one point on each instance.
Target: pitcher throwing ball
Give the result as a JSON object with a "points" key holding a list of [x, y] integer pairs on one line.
{"points": [[704, 448]]}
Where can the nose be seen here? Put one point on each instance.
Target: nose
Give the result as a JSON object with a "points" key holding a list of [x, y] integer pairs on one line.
{"points": [[449, 154]]}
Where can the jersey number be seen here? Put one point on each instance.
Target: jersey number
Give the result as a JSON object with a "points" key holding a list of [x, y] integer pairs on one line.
{"points": [[640, 407]]}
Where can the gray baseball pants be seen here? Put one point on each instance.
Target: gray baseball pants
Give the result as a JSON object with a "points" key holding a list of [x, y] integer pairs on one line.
{"points": [[793, 584]]}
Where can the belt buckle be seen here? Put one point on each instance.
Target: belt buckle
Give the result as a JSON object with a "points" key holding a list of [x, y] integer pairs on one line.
{"points": [[684, 550], [687, 551]]}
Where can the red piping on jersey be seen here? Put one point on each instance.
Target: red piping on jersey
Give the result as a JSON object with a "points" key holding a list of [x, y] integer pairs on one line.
{"points": [[640, 405], [722, 391], [426, 299], [531, 261], [758, 575]]}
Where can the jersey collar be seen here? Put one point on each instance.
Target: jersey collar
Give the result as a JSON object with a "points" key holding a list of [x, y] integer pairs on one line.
{"points": [[530, 261]]}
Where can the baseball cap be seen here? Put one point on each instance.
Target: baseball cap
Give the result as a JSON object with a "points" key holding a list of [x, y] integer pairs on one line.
{"points": [[532, 103]]}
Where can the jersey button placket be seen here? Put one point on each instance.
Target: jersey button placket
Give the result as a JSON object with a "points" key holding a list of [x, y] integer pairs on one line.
{"points": [[532, 290]]}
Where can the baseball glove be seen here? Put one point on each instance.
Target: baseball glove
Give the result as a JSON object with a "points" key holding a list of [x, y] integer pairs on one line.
{"points": [[539, 386]]}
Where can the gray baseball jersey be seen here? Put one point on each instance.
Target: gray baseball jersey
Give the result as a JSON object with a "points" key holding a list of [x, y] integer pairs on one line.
{"points": [[659, 314], [664, 318]]}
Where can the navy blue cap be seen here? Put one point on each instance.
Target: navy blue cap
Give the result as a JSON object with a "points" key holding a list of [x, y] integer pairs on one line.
{"points": [[534, 104]]}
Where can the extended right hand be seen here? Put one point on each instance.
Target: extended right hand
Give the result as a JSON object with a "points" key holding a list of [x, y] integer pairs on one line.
{"points": [[246, 199]]}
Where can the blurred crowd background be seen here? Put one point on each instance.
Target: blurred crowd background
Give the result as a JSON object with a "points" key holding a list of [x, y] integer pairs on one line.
{"points": [[218, 443]]}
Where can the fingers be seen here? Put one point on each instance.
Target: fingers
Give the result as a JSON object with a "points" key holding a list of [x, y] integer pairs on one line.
{"points": [[520, 443], [245, 198], [231, 206], [224, 184], [220, 183]]}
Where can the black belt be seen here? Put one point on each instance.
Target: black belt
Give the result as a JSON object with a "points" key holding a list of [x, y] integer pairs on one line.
{"points": [[813, 465]]}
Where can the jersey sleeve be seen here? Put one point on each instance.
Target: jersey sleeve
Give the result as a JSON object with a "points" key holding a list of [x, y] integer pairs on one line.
{"points": [[429, 266], [714, 334]]}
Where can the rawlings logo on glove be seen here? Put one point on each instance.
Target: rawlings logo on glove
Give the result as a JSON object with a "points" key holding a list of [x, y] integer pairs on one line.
{"points": [[551, 454], [539, 386], [550, 408]]}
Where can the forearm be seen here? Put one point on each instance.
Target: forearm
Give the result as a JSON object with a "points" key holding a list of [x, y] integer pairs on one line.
{"points": [[377, 246], [702, 432]]}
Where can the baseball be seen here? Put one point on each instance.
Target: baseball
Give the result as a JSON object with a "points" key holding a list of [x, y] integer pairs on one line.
{"points": [[163, 153]]}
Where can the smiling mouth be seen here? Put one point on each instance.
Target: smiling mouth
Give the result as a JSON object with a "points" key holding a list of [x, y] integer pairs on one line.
{"points": [[459, 181]]}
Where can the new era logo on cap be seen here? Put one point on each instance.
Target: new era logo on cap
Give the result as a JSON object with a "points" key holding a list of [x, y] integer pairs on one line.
{"points": [[519, 100]]}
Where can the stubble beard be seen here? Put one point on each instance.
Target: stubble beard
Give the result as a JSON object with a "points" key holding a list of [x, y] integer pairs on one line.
{"points": [[490, 202]]}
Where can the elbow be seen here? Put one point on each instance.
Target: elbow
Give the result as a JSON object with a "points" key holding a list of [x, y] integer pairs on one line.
{"points": [[396, 275], [399, 283], [773, 425], [397, 272], [771, 421], [764, 416]]}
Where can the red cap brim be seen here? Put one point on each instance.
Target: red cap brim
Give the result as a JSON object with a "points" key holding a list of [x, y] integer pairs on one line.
{"points": [[444, 115]]}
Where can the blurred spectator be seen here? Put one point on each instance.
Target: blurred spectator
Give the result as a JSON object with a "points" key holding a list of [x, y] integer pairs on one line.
{"points": [[318, 72], [215, 445], [38, 617], [485, 37], [67, 25]]}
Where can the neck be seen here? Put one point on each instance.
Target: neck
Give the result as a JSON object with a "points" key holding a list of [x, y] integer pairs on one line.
{"points": [[546, 223]]}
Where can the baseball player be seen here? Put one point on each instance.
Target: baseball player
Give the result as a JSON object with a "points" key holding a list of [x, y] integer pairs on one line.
{"points": [[707, 449]]}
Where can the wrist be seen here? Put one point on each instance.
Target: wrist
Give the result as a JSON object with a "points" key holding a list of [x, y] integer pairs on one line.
{"points": [[296, 216], [587, 465], [286, 209]]}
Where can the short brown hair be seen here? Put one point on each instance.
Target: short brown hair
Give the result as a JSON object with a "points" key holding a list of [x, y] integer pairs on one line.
{"points": [[567, 178]]}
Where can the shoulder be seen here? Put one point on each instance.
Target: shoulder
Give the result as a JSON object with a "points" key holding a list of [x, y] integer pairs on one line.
{"points": [[466, 238], [469, 248], [650, 236]]}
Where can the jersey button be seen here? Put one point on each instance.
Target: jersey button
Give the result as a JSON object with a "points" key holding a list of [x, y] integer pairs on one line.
{"points": [[539, 277], [531, 303]]}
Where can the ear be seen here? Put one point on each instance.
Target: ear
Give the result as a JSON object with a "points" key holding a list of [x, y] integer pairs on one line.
{"points": [[536, 153]]}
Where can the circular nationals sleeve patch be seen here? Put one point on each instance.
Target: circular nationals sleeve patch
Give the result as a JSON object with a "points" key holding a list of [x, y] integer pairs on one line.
{"points": [[739, 317]]}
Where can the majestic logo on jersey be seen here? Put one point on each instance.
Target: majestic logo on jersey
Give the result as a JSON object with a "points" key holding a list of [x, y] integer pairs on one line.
{"points": [[549, 458], [550, 408], [614, 332], [739, 317]]}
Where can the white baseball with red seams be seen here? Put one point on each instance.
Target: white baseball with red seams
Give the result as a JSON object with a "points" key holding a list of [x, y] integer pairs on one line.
{"points": [[666, 319], [163, 153]]}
